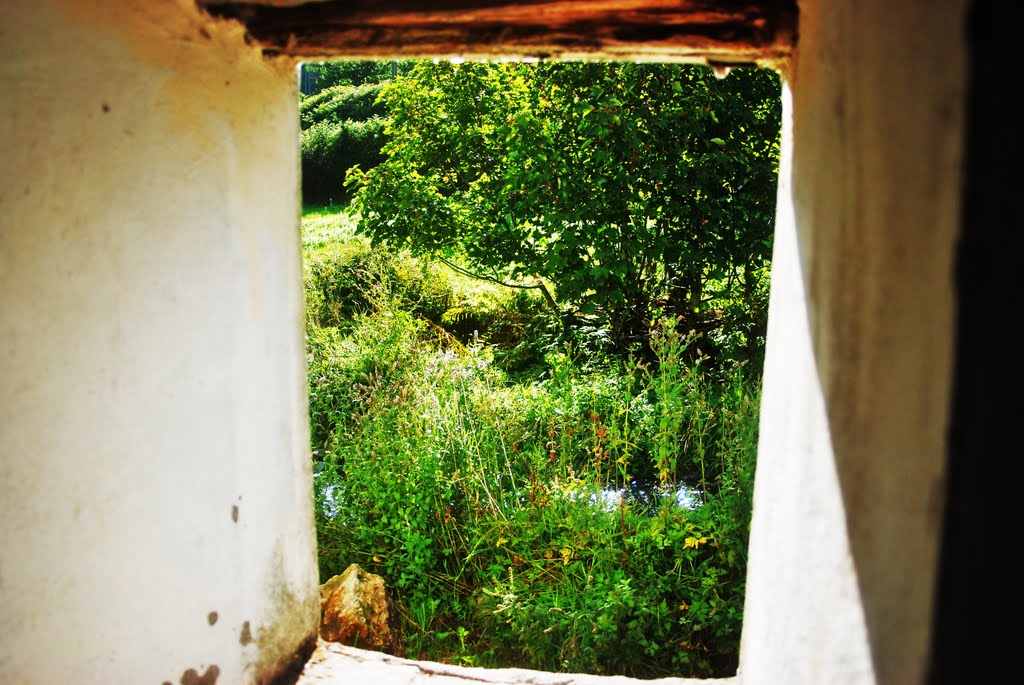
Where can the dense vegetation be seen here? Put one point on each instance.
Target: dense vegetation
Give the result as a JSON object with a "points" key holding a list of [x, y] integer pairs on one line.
{"points": [[317, 76], [343, 124], [633, 188], [538, 522], [542, 480]]}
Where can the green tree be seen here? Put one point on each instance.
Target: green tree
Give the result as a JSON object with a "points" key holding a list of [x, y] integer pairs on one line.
{"points": [[631, 187]]}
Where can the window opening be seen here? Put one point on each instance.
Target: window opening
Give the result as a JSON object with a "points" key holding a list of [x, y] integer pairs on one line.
{"points": [[535, 322]]}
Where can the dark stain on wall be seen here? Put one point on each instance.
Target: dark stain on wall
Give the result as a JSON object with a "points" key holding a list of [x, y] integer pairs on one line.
{"points": [[192, 677], [211, 617], [289, 670], [246, 635]]}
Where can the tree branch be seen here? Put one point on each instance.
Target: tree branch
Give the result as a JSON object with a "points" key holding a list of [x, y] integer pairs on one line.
{"points": [[538, 286], [491, 279]]}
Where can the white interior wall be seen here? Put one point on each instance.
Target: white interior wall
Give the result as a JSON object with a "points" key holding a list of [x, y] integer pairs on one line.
{"points": [[803, 621], [154, 482], [858, 367]]}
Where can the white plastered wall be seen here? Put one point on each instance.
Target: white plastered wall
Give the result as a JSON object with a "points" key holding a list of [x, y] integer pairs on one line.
{"points": [[849, 491], [154, 474], [803, 621]]}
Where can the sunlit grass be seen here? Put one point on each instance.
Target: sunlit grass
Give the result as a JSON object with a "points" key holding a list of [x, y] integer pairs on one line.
{"points": [[325, 225]]}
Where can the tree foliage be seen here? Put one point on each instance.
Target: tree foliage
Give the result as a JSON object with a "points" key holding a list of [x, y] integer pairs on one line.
{"points": [[631, 187]]}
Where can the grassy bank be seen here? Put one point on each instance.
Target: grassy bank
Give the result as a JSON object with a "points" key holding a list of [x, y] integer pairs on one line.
{"points": [[529, 501]]}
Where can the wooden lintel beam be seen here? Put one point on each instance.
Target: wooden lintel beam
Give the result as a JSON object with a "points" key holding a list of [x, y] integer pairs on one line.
{"points": [[727, 32]]}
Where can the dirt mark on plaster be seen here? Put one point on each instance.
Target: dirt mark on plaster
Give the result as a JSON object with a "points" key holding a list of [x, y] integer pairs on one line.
{"points": [[289, 636], [192, 677], [246, 636]]}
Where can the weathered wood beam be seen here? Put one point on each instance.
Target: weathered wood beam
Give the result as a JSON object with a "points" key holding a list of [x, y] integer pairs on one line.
{"points": [[729, 32]]}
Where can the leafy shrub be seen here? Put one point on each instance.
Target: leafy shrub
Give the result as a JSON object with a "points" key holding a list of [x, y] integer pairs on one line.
{"points": [[318, 76], [342, 126], [348, 277], [330, 148], [342, 103]]}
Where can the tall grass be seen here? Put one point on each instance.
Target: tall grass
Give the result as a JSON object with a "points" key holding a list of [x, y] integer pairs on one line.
{"points": [[593, 520]]}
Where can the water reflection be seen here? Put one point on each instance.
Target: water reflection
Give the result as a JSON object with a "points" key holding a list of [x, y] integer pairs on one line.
{"points": [[327, 493], [644, 499], [647, 499]]}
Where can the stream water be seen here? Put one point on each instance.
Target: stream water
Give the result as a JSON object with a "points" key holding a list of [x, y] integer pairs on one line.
{"points": [[645, 498]]}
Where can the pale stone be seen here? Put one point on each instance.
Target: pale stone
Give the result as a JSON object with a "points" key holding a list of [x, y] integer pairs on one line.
{"points": [[355, 610]]}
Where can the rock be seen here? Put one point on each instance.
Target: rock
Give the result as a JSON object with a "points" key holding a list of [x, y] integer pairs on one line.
{"points": [[355, 610]]}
